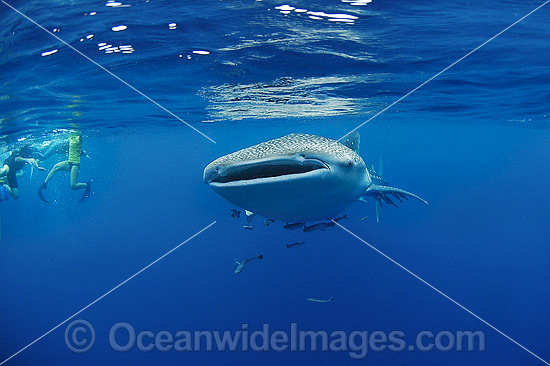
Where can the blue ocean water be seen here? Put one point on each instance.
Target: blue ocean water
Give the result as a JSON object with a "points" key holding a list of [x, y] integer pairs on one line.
{"points": [[473, 142]]}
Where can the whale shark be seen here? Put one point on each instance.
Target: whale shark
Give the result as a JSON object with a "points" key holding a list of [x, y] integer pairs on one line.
{"points": [[299, 178]]}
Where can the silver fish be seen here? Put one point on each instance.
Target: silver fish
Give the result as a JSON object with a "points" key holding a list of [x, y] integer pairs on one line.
{"points": [[318, 300], [240, 265], [295, 244], [294, 226], [319, 226]]}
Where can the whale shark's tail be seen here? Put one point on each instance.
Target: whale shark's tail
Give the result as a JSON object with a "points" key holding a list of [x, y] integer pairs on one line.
{"points": [[378, 179], [383, 193], [381, 174]]}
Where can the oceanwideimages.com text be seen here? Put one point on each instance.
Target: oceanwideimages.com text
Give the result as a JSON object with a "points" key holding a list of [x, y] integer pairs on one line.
{"points": [[80, 337]]}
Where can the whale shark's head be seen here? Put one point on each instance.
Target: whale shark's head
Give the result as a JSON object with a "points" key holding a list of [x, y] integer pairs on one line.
{"points": [[297, 177]]}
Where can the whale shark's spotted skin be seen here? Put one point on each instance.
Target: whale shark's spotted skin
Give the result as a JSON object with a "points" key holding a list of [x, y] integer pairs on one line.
{"points": [[294, 143], [299, 178]]}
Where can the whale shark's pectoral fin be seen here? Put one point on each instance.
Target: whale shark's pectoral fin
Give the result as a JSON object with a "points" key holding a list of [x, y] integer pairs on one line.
{"points": [[383, 194]]}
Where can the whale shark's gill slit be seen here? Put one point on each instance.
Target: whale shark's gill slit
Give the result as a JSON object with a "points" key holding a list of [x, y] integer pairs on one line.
{"points": [[266, 171]]}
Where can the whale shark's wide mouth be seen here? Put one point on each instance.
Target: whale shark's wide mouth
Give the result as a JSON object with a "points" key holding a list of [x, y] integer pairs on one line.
{"points": [[272, 169]]}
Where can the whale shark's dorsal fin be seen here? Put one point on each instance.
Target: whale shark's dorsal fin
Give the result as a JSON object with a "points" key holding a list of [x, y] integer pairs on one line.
{"points": [[351, 140]]}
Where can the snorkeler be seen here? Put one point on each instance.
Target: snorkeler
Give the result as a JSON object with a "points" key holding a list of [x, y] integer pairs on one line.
{"points": [[14, 163], [54, 148], [72, 165]]}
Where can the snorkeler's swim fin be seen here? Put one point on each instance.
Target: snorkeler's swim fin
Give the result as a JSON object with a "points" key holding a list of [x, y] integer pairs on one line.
{"points": [[86, 192], [42, 187]]}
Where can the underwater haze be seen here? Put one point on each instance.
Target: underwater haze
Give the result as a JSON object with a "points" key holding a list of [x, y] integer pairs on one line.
{"points": [[159, 89]]}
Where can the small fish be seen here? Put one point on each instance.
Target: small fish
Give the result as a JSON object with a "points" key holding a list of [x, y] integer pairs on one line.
{"points": [[240, 265], [338, 219], [296, 244], [268, 221], [319, 226], [335, 220], [294, 226], [248, 227], [363, 218], [249, 216], [318, 300], [235, 214]]}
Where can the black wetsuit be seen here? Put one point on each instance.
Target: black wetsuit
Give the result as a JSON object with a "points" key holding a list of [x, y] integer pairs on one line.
{"points": [[14, 167]]}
